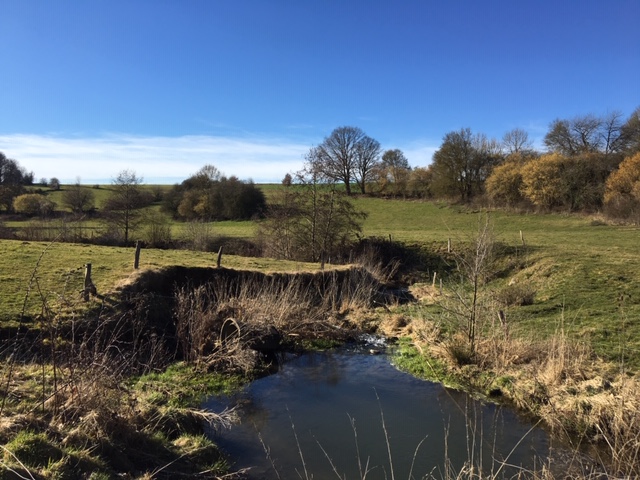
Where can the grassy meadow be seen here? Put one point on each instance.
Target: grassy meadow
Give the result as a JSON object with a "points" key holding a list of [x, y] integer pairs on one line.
{"points": [[584, 271]]}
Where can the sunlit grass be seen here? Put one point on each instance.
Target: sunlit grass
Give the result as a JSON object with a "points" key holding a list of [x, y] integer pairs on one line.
{"points": [[55, 271], [579, 266]]}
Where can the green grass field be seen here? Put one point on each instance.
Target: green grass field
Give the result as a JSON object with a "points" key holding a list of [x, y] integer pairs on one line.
{"points": [[584, 272]]}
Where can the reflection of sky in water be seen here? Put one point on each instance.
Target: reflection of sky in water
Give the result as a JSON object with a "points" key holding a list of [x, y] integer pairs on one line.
{"points": [[317, 396]]}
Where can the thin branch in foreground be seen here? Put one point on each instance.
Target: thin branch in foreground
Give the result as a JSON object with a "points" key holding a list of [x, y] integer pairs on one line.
{"points": [[386, 435]]}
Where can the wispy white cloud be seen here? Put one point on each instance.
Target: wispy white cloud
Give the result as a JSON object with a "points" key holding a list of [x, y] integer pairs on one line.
{"points": [[168, 159], [156, 159]]}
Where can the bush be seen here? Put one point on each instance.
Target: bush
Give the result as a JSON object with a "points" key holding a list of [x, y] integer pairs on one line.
{"points": [[622, 190], [205, 198], [516, 295], [504, 184], [157, 230], [32, 204]]}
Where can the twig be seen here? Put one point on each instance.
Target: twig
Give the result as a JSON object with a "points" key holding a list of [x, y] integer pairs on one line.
{"points": [[17, 460], [386, 436]]}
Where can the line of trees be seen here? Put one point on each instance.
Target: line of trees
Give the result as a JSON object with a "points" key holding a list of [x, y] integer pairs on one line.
{"points": [[581, 169], [205, 196]]}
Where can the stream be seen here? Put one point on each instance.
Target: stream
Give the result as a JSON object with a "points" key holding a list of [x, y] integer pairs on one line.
{"points": [[339, 414]]}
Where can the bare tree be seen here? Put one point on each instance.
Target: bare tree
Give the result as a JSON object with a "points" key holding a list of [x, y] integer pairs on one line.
{"points": [[122, 206], [394, 169], [13, 178], [310, 220], [210, 171], [588, 134], [611, 134], [516, 141], [474, 263], [462, 163], [78, 199], [336, 157], [367, 158], [631, 133]]}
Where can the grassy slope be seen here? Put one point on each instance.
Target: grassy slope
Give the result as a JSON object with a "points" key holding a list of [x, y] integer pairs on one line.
{"points": [[580, 268]]}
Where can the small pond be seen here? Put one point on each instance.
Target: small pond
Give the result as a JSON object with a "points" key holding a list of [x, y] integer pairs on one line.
{"points": [[332, 409]]}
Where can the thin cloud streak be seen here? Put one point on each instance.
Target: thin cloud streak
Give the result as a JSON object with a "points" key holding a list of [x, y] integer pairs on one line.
{"points": [[167, 159], [156, 159]]}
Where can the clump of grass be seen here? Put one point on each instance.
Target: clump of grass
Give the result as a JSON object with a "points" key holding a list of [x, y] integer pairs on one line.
{"points": [[516, 295], [32, 449]]}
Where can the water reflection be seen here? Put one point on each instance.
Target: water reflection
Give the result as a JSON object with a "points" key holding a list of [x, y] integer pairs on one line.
{"points": [[346, 412]]}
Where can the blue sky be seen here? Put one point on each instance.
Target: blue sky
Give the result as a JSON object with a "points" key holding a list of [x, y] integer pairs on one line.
{"points": [[163, 87]]}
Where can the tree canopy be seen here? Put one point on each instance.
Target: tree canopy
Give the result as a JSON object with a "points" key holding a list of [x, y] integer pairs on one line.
{"points": [[346, 155], [462, 164], [208, 195]]}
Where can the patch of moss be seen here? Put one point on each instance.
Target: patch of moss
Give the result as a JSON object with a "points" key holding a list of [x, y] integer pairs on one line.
{"points": [[183, 385], [32, 449], [408, 358]]}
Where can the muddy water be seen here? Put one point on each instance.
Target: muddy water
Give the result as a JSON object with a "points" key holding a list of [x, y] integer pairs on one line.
{"points": [[337, 414]]}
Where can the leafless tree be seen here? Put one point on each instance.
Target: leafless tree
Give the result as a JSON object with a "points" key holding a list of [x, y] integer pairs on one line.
{"points": [[395, 170], [612, 138], [588, 134], [631, 133], [310, 220], [78, 199], [367, 158], [474, 263], [125, 200], [463, 162], [345, 155], [209, 171], [516, 141]]}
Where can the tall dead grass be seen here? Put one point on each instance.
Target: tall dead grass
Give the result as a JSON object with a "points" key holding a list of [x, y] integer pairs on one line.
{"points": [[591, 405], [266, 308]]}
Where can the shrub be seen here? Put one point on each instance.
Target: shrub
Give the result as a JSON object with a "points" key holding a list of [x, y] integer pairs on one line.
{"points": [[214, 198], [32, 204], [504, 184], [622, 190], [518, 294], [157, 230]]}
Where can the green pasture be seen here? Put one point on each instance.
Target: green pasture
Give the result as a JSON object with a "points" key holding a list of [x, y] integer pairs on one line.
{"points": [[586, 274], [34, 274]]}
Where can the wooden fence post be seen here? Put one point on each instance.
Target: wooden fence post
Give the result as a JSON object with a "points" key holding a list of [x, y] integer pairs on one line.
{"points": [[219, 257], [87, 282], [449, 245], [136, 262]]}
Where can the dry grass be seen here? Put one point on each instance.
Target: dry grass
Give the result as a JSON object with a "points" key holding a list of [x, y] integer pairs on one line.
{"points": [[268, 311], [558, 380]]}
